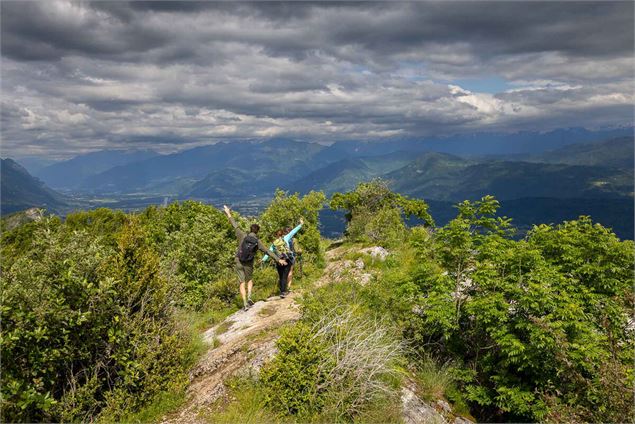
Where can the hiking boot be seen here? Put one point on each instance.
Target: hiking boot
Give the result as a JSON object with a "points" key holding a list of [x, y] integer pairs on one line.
{"points": [[283, 295], [245, 308], [250, 302]]}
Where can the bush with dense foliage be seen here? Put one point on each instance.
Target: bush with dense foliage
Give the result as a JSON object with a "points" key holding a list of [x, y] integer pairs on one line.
{"points": [[536, 329], [88, 325], [539, 324], [196, 245], [374, 213]]}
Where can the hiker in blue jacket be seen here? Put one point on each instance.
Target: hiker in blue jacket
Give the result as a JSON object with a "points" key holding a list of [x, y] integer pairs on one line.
{"points": [[283, 249]]}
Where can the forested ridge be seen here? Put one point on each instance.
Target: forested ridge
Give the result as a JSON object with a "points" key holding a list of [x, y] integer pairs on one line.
{"points": [[102, 315]]}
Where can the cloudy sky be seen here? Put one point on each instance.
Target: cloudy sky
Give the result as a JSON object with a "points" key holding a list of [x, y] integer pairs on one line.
{"points": [[79, 76]]}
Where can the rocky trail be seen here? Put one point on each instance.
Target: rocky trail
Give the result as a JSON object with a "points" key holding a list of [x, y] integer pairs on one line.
{"points": [[245, 340]]}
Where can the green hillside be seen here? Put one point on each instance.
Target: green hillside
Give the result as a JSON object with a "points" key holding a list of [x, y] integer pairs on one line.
{"points": [[443, 177], [236, 182], [20, 190], [615, 152], [345, 174], [432, 172]]}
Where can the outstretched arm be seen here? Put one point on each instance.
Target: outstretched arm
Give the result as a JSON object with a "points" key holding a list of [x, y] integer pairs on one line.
{"points": [[293, 232], [229, 216], [239, 233]]}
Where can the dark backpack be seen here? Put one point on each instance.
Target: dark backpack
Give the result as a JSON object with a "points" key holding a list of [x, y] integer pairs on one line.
{"points": [[248, 249]]}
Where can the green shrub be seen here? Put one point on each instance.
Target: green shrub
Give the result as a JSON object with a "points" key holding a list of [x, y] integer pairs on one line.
{"points": [[434, 380], [386, 228], [102, 222], [87, 327], [21, 240], [248, 405], [336, 368], [538, 323], [286, 210], [196, 244], [294, 380]]}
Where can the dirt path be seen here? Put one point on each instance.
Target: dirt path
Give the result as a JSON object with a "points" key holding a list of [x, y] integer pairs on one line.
{"points": [[242, 343]]}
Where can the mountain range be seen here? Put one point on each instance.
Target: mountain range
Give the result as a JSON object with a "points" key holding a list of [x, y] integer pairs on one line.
{"points": [[70, 174], [581, 170], [286, 160]]}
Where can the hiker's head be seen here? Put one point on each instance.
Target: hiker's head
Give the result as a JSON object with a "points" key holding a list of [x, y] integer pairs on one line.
{"points": [[254, 228], [287, 230], [280, 233]]}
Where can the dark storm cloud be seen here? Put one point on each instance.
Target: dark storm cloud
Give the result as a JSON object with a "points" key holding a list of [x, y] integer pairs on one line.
{"points": [[45, 30], [49, 31], [82, 75]]}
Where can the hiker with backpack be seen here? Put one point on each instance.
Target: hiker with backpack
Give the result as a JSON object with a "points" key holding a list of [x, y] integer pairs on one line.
{"points": [[282, 247], [248, 244]]}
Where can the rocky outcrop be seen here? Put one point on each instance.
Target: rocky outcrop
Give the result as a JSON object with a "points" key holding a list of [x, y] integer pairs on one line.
{"points": [[417, 411], [21, 218], [240, 345], [376, 252], [339, 270]]}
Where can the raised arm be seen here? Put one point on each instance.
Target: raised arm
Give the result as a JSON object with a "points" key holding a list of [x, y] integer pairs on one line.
{"points": [[293, 232], [229, 216], [239, 233]]}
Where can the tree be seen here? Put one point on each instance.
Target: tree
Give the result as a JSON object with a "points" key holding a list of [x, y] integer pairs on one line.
{"points": [[374, 212], [286, 210], [88, 325]]}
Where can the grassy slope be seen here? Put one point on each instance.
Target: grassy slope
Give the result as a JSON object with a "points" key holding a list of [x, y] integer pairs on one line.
{"points": [[616, 152]]}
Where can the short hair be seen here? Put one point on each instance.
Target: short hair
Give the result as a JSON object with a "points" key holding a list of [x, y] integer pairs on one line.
{"points": [[254, 228]]}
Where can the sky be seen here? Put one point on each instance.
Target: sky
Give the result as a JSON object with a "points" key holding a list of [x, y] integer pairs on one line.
{"points": [[79, 76]]}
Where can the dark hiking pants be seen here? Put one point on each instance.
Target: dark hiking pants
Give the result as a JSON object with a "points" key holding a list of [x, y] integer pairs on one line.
{"points": [[283, 274]]}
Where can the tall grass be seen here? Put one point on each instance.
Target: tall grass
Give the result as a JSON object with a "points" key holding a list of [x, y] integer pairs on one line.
{"points": [[247, 405], [433, 379]]}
